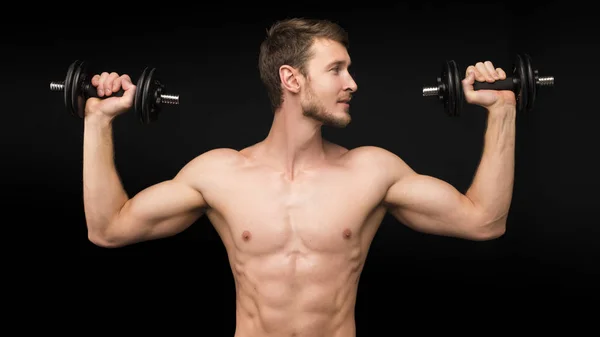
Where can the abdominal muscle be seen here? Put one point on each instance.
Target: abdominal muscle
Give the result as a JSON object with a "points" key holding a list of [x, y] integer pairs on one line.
{"points": [[296, 292]]}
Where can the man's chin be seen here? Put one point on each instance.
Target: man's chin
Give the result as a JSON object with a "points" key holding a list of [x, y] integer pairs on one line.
{"points": [[339, 121]]}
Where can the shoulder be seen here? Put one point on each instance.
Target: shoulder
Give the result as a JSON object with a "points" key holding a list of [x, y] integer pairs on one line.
{"points": [[378, 162], [374, 155], [366, 154], [219, 156], [217, 159]]}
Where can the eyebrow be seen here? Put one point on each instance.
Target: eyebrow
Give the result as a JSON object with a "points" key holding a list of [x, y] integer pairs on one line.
{"points": [[337, 63]]}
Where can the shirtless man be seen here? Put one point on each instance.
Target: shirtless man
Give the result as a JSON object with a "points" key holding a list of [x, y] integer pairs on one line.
{"points": [[297, 213]]}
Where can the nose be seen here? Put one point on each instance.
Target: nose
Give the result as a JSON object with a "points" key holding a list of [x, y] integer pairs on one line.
{"points": [[351, 84]]}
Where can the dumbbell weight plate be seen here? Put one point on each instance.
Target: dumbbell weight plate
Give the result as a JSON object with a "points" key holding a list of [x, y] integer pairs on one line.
{"points": [[531, 83], [68, 85], [74, 101], [453, 94], [147, 96], [138, 98], [522, 90]]}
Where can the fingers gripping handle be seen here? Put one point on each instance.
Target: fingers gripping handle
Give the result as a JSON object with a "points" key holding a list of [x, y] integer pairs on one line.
{"points": [[90, 91], [506, 84]]}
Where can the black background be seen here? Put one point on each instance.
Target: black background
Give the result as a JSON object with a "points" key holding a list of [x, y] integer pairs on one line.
{"points": [[547, 259]]}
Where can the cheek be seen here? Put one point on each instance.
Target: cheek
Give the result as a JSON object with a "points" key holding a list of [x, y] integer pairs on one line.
{"points": [[328, 89], [325, 89]]}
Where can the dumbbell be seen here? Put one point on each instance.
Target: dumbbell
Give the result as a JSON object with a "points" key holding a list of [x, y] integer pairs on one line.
{"points": [[524, 82], [150, 93]]}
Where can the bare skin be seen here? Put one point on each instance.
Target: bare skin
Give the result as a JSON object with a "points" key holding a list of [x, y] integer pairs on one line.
{"points": [[296, 213]]}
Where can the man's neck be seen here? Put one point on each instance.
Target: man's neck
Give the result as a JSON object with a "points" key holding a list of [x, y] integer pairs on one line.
{"points": [[294, 143]]}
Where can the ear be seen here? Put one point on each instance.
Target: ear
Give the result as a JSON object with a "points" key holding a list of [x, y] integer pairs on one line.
{"points": [[289, 78]]}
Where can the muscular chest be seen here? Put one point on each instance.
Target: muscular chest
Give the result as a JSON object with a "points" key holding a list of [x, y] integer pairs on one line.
{"points": [[267, 213]]}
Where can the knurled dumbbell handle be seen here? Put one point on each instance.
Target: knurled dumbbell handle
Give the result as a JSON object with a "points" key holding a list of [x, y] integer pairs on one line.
{"points": [[88, 89], [506, 84]]}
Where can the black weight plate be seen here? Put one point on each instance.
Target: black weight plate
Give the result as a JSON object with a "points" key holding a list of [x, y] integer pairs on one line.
{"points": [[446, 85], [138, 99], [531, 82], [445, 96], [68, 87], [521, 91], [77, 98], [152, 102], [149, 97], [459, 96], [453, 92]]}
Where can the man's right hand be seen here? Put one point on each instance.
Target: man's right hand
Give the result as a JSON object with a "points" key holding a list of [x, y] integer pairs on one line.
{"points": [[106, 106]]}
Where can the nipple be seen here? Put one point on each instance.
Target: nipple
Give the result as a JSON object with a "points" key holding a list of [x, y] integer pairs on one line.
{"points": [[246, 236], [347, 233]]}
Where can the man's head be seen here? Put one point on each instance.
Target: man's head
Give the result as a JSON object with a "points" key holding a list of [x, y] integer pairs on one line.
{"points": [[308, 60]]}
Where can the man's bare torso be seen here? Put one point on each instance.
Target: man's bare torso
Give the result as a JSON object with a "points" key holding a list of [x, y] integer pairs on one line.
{"points": [[296, 247]]}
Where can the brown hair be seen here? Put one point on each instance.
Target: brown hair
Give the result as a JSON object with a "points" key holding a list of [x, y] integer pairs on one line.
{"points": [[288, 42]]}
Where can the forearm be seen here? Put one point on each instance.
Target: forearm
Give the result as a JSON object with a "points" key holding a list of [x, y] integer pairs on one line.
{"points": [[103, 193], [492, 187]]}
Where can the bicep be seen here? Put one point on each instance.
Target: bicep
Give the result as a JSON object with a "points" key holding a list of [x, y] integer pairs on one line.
{"points": [[158, 211], [433, 206]]}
